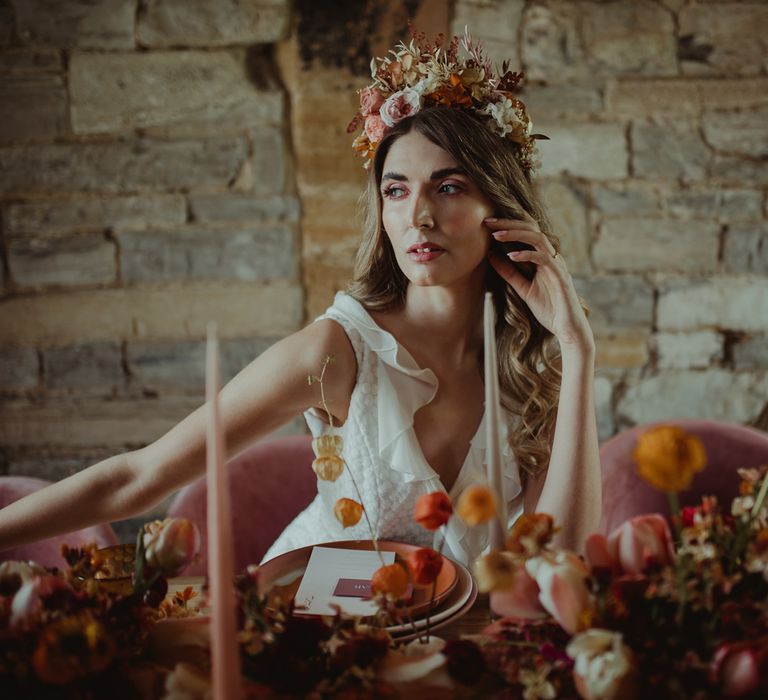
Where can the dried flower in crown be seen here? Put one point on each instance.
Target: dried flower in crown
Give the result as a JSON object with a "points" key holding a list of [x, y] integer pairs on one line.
{"points": [[420, 74]]}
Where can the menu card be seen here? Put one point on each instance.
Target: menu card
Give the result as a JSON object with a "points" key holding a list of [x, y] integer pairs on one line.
{"points": [[332, 571]]}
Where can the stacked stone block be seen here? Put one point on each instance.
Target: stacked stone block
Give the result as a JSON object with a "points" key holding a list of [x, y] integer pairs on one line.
{"points": [[145, 190]]}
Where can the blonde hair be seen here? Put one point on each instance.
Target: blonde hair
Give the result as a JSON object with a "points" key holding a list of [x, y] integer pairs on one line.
{"points": [[529, 359]]}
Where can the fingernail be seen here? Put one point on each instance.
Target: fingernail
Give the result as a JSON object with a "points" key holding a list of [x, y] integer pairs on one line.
{"points": [[513, 254], [490, 220], [497, 234]]}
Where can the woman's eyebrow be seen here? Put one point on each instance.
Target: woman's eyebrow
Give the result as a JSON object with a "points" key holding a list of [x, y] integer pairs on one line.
{"points": [[436, 175]]}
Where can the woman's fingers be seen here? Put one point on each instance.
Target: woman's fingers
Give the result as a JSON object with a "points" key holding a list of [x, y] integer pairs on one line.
{"points": [[537, 257], [523, 232], [509, 273]]}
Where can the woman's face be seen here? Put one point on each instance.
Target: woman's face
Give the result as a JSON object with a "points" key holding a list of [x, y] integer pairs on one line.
{"points": [[433, 214]]}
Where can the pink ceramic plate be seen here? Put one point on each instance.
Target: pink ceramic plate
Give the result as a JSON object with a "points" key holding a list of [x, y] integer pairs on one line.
{"points": [[281, 576]]}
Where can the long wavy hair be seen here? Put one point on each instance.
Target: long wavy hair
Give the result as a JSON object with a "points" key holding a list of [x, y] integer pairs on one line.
{"points": [[529, 360]]}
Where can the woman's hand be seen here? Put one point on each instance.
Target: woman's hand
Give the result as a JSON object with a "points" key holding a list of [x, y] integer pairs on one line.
{"points": [[550, 295]]}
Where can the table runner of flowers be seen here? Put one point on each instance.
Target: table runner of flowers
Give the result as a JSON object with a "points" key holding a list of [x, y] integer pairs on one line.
{"points": [[655, 609]]}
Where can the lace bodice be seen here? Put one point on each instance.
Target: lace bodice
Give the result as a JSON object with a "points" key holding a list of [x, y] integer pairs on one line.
{"points": [[383, 453]]}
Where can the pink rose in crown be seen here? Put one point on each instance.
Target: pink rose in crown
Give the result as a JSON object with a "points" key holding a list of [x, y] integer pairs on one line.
{"points": [[375, 128], [635, 545], [370, 101], [400, 105]]}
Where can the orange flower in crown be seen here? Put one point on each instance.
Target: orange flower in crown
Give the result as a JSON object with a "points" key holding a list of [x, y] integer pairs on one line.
{"points": [[667, 458], [420, 74]]}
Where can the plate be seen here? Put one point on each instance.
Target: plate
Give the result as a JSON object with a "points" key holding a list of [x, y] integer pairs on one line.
{"points": [[280, 577], [454, 606]]}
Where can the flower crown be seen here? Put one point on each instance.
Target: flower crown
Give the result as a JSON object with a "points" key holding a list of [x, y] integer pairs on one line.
{"points": [[420, 75]]}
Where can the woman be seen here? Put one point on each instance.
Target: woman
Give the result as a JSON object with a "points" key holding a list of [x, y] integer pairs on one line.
{"points": [[448, 197]]}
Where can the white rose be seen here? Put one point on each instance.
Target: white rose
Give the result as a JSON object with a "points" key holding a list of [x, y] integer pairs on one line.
{"points": [[603, 667]]}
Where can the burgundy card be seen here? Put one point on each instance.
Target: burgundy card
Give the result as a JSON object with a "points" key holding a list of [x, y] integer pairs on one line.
{"points": [[353, 588]]}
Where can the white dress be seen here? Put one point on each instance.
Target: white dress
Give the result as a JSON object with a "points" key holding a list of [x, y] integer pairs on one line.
{"points": [[384, 455]]}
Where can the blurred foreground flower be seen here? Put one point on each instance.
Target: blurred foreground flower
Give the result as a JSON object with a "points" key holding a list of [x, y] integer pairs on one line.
{"points": [[667, 458], [390, 580], [425, 565], [72, 648], [634, 546], [531, 533], [433, 510], [348, 512], [740, 668], [564, 592], [477, 505], [604, 667], [170, 545]]}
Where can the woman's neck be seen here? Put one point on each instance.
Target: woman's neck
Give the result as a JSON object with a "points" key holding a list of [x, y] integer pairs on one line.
{"points": [[441, 326]]}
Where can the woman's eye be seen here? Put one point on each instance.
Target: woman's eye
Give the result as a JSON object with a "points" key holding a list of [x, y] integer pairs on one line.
{"points": [[394, 192], [450, 188]]}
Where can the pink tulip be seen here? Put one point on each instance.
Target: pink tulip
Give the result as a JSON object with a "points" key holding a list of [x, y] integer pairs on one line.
{"points": [[638, 543], [521, 600], [737, 667], [171, 545], [598, 554], [563, 588]]}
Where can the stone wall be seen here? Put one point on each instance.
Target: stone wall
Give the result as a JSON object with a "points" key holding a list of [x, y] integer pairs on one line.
{"points": [[146, 187], [656, 178], [655, 175], [167, 162]]}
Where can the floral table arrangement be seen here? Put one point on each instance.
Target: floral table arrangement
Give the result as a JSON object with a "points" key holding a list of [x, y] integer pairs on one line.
{"points": [[652, 611]]}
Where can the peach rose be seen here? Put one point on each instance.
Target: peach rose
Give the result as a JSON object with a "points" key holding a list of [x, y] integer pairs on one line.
{"points": [[375, 128], [171, 545], [370, 101]]}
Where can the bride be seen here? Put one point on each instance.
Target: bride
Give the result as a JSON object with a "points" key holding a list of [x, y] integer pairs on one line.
{"points": [[451, 213]]}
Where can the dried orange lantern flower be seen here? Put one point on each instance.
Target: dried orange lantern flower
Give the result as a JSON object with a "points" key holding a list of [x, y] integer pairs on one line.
{"points": [[425, 565], [328, 445], [477, 504], [531, 533], [390, 580], [667, 458], [348, 512], [328, 467], [433, 510]]}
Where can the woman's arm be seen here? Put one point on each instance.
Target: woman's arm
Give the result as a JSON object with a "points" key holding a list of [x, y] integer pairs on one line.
{"points": [[570, 488], [268, 393]]}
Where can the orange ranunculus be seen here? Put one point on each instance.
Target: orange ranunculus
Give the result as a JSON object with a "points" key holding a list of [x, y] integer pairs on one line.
{"points": [[328, 445], [433, 510], [328, 467], [390, 580], [348, 512], [531, 533], [425, 565], [477, 505], [667, 457]]}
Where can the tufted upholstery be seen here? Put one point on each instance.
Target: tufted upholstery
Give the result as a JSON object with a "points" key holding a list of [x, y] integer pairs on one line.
{"points": [[270, 483], [729, 447], [47, 552]]}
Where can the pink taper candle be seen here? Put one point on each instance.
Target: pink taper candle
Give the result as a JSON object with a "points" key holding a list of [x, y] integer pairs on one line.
{"points": [[225, 657], [496, 526]]}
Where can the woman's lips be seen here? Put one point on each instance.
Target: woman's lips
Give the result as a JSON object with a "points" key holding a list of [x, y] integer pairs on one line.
{"points": [[424, 252]]}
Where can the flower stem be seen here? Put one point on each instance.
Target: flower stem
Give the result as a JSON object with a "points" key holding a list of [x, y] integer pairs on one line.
{"points": [[760, 499], [674, 506]]}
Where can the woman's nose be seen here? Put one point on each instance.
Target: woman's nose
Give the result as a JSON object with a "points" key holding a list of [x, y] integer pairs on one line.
{"points": [[422, 213]]}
